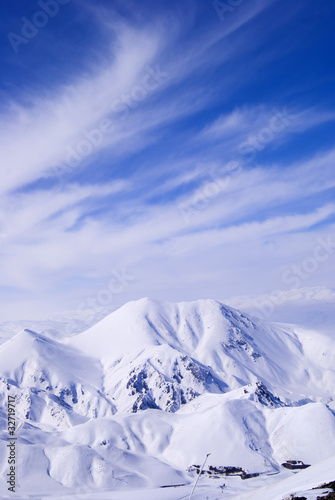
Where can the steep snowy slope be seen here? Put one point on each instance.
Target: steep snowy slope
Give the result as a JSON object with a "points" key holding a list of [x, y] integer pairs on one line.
{"points": [[252, 394], [160, 355], [246, 428], [48, 462], [53, 384]]}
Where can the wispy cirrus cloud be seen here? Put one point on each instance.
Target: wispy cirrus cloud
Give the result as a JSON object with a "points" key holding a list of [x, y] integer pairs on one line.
{"points": [[51, 123], [96, 164], [256, 127]]}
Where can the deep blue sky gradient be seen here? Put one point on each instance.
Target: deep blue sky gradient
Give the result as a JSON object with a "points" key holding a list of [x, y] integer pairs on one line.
{"points": [[123, 200]]}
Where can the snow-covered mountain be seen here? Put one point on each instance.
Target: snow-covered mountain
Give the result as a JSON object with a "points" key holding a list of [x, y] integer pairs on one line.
{"points": [[144, 394]]}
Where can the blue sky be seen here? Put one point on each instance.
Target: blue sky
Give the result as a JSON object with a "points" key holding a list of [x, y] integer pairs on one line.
{"points": [[186, 146]]}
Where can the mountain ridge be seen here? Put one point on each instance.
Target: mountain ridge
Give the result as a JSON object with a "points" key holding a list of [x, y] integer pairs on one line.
{"points": [[152, 379]]}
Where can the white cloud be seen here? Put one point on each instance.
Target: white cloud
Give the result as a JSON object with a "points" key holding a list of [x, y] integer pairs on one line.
{"points": [[64, 238]]}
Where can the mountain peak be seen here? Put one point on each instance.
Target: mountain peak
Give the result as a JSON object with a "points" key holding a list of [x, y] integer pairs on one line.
{"points": [[170, 370]]}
